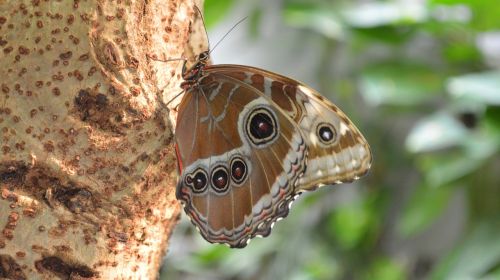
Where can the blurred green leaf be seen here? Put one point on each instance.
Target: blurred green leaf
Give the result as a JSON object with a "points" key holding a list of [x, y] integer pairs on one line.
{"points": [[438, 131], [349, 223], [444, 168], [492, 121], [425, 205], [487, 44], [255, 19], [215, 10], [399, 84], [212, 254], [480, 87], [320, 19], [375, 14], [477, 254], [393, 34], [484, 13], [322, 267], [385, 269], [454, 38], [462, 52], [493, 274]]}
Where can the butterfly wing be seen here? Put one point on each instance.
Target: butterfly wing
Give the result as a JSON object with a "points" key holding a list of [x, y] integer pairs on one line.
{"points": [[337, 151], [239, 158]]}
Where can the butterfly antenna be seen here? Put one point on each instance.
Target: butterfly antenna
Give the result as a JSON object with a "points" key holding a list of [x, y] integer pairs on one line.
{"points": [[227, 33], [204, 25], [175, 97], [223, 37]]}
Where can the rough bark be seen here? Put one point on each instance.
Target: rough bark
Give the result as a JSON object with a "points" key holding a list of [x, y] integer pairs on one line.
{"points": [[87, 168]]}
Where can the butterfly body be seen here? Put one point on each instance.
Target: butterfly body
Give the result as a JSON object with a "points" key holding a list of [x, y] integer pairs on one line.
{"points": [[249, 141]]}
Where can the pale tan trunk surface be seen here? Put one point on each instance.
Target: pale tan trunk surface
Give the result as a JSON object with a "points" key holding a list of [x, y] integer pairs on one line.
{"points": [[87, 167]]}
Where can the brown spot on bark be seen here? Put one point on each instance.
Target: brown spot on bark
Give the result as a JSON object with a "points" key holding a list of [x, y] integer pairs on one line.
{"points": [[83, 57], [56, 91], [7, 50], [101, 101], [94, 107], [29, 212], [63, 269], [24, 50], [111, 55], [13, 172], [77, 200], [71, 19], [132, 62], [10, 269], [49, 146], [5, 88], [13, 218], [7, 232], [66, 55], [119, 236]]}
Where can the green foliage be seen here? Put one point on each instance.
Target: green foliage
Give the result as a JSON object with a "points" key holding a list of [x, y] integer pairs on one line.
{"points": [[483, 13], [394, 83], [352, 224], [477, 257], [320, 19], [482, 88], [415, 80], [385, 269], [215, 10], [426, 203]]}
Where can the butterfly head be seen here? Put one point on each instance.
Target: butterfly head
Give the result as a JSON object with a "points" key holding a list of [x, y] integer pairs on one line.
{"points": [[203, 57], [192, 74]]}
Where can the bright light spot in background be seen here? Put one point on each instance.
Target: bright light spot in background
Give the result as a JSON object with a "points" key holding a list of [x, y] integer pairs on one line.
{"points": [[434, 133]]}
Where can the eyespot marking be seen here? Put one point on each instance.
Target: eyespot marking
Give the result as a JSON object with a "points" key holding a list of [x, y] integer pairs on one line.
{"points": [[197, 180], [239, 170], [326, 133], [220, 180], [262, 127]]}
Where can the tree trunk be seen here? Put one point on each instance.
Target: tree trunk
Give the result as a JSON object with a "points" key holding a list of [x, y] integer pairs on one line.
{"points": [[87, 168]]}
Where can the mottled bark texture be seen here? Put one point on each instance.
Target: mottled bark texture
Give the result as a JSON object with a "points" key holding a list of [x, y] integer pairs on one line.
{"points": [[87, 168]]}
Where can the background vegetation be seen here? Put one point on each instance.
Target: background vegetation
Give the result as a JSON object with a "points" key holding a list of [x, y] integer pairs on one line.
{"points": [[421, 80]]}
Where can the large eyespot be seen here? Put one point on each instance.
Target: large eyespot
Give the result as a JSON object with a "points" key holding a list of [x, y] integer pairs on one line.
{"points": [[262, 127], [197, 180], [220, 180], [326, 133], [239, 170]]}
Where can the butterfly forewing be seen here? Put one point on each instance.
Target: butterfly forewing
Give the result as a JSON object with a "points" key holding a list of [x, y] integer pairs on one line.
{"points": [[337, 151]]}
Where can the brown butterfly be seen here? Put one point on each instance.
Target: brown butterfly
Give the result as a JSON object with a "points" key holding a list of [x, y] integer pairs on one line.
{"points": [[249, 141]]}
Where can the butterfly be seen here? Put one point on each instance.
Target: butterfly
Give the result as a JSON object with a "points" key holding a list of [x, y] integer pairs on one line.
{"points": [[249, 141]]}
